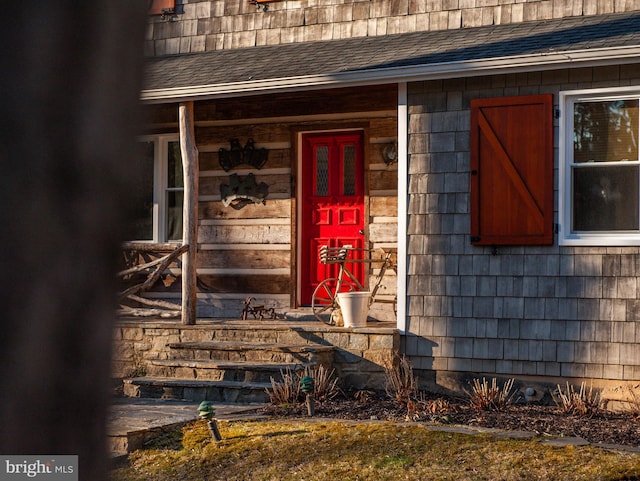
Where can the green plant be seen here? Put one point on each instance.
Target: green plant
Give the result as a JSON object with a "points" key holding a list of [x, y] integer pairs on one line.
{"points": [[581, 403], [490, 397], [400, 383]]}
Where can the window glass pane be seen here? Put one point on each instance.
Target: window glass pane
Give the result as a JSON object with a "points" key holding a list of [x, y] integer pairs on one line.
{"points": [[322, 170], [174, 214], [174, 165], [349, 170], [605, 198], [605, 131], [141, 227]]}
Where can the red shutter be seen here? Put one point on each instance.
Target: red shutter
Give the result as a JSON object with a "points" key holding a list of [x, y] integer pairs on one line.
{"points": [[512, 170], [158, 7]]}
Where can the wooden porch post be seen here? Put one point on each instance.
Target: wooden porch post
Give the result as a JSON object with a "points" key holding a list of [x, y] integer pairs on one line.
{"points": [[190, 167]]}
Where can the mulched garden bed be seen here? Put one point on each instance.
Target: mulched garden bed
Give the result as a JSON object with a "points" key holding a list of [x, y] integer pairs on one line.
{"points": [[603, 427]]}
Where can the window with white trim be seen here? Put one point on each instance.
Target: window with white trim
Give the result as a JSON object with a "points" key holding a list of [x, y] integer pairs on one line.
{"points": [[159, 190], [600, 167]]}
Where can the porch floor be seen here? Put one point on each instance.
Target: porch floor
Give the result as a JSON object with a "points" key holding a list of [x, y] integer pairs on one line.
{"points": [[295, 318]]}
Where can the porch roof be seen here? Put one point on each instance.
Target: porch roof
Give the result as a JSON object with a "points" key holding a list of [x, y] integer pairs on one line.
{"points": [[539, 45]]}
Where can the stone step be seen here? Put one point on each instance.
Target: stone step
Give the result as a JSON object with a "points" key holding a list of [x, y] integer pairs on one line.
{"points": [[253, 333], [214, 370], [246, 351], [197, 390]]}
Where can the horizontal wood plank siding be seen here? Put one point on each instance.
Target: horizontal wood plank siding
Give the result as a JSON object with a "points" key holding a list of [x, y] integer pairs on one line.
{"points": [[278, 208], [263, 284], [232, 259], [265, 234], [250, 251], [278, 158], [277, 183], [352, 99]]}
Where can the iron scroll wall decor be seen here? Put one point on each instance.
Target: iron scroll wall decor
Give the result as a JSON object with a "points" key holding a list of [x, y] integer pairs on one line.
{"points": [[242, 191], [238, 155]]}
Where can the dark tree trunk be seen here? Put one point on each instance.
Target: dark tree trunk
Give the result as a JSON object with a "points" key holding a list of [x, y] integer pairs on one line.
{"points": [[70, 79]]}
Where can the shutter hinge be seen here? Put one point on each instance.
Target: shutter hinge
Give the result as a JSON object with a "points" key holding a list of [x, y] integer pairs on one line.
{"points": [[556, 228], [556, 114], [475, 238]]}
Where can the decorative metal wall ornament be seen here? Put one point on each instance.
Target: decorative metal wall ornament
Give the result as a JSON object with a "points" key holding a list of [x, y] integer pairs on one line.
{"points": [[242, 191], [261, 4], [390, 153], [238, 155]]}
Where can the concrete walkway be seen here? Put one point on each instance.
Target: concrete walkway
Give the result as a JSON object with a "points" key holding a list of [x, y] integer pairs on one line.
{"points": [[135, 422]]}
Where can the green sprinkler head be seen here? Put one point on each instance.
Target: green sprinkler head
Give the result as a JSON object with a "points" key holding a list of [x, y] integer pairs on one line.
{"points": [[206, 410], [306, 384]]}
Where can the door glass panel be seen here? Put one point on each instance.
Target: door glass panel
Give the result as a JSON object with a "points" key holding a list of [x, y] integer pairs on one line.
{"points": [[605, 131], [349, 170], [141, 227], [605, 198], [322, 171]]}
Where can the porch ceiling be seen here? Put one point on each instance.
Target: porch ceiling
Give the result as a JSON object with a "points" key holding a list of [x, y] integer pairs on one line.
{"points": [[540, 45]]}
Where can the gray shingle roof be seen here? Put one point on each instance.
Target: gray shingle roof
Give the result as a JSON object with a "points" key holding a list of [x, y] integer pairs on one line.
{"points": [[368, 54]]}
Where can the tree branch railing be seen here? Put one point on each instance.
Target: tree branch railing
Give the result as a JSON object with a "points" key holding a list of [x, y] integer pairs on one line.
{"points": [[155, 268]]}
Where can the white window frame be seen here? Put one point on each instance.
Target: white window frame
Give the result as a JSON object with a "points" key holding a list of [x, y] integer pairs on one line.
{"points": [[567, 100], [160, 187]]}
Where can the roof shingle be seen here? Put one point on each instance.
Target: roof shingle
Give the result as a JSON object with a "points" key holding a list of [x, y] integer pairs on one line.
{"points": [[366, 54]]}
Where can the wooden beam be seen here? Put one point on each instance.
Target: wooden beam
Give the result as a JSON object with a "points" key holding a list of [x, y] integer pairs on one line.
{"points": [[190, 167]]}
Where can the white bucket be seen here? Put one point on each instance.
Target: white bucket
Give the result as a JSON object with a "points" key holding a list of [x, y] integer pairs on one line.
{"points": [[354, 307]]}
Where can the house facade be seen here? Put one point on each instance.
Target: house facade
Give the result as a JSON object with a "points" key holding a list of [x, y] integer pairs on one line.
{"points": [[492, 143]]}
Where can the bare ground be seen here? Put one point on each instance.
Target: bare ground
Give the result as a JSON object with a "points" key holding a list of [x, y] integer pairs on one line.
{"points": [[603, 427]]}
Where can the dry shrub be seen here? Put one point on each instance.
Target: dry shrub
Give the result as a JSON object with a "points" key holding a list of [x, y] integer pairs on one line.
{"points": [[288, 390], [325, 386], [400, 383], [490, 397], [364, 396], [633, 400], [580, 403], [439, 406]]}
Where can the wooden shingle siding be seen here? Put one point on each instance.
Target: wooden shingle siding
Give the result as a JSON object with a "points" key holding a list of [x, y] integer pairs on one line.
{"points": [[213, 25], [517, 310]]}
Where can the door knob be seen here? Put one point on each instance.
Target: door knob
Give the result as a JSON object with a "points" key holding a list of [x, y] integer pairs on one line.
{"points": [[361, 232]]}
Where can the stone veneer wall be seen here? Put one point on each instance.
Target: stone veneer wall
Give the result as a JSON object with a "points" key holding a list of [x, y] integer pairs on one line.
{"points": [[359, 358], [526, 311], [224, 24]]}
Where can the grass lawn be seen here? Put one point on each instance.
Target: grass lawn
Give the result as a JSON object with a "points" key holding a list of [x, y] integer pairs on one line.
{"points": [[340, 451]]}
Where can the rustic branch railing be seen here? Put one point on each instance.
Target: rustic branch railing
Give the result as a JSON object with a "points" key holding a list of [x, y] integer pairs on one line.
{"points": [[135, 252]]}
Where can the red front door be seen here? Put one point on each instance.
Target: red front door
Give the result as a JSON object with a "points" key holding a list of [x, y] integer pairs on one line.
{"points": [[332, 203]]}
